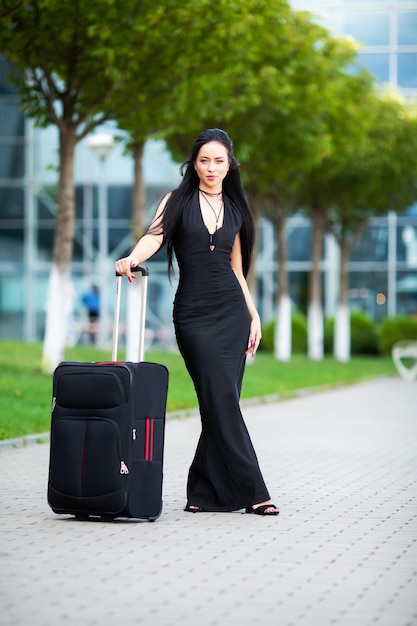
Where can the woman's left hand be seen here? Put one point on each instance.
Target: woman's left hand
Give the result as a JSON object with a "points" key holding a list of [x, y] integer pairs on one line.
{"points": [[254, 337]]}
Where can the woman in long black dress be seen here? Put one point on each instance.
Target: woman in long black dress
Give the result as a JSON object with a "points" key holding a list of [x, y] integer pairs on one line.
{"points": [[207, 223]]}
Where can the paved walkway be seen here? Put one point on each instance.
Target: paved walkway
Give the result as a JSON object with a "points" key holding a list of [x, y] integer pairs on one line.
{"points": [[342, 465]]}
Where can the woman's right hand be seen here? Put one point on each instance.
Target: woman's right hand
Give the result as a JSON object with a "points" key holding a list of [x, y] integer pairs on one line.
{"points": [[124, 266]]}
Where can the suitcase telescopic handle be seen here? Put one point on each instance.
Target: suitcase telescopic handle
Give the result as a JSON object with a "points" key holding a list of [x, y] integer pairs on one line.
{"points": [[144, 271], [139, 268]]}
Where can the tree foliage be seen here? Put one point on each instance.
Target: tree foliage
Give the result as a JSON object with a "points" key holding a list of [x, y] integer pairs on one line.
{"points": [[78, 64], [307, 129]]}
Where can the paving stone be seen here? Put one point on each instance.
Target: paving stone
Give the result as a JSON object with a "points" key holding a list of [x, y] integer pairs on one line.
{"points": [[343, 468]]}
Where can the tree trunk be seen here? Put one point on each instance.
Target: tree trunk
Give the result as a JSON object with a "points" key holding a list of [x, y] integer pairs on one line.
{"points": [[315, 308], [138, 227], [342, 344], [282, 343], [60, 298], [139, 194], [342, 323]]}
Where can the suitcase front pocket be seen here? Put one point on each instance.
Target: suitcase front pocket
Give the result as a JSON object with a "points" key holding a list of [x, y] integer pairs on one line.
{"points": [[87, 471], [97, 388]]}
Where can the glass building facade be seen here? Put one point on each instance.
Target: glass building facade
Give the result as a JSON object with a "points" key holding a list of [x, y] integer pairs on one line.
{"points": [[13, 199], [383, 265], [386, 30], [28, 182]]}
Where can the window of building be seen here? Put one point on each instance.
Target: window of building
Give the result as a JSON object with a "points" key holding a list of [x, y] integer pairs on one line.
{"points": [[373, 245], [377, 64], [369, 28], [407, 28], [407, 244], [44, 243], [12, 203], [12, 157], [407, 293], [368, 292], [11, 245], [299, 243], [407, 70], [12, 306]]}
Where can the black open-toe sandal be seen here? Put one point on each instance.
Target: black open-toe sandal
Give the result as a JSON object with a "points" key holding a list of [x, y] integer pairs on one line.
{"points": [[192, 508], [263, 510]]}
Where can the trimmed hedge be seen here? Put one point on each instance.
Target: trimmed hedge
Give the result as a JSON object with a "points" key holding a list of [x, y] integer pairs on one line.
{"points": [[366, 336], [363, 334], [394, 329], [267, 342], [298, 334]]}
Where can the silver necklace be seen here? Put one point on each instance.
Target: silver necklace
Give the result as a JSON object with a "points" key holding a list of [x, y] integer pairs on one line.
{"points": [[216, 217]]}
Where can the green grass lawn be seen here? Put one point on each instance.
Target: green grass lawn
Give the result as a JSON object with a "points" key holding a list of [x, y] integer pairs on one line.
{"points": [[25, 391]]}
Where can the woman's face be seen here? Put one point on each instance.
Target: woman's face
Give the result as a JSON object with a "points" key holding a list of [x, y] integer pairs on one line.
{"points": [[212, 164]]}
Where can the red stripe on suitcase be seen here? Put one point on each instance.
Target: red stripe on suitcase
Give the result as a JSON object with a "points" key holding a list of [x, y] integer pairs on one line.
{"points": [[149, 436], [151, 441], [110, 362], [147, 440]]}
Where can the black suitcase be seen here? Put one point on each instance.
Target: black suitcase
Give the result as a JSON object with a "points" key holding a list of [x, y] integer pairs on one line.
{"points": [[107, 433]]}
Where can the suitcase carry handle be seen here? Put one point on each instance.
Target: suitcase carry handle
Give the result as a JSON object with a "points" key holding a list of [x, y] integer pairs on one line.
{"points": [[144, 271]]}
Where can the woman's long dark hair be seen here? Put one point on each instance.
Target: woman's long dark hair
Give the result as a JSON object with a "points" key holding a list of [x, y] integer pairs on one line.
{"points": [[232, 188]]}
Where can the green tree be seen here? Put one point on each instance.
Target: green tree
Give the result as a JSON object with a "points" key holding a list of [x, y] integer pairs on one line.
{"points": [[77, 65], [274, 113], [8, 6], [202, 79], [347, 96], [287, 135], [237, 95], [381, 178], [204, 83], [68, 59], [291, 130], [281, 122]]}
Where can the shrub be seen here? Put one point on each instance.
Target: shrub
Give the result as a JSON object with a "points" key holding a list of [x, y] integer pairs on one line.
{"points": [[328, 335], [396, 328], [363, 335], [298, 332], [268, 331]]}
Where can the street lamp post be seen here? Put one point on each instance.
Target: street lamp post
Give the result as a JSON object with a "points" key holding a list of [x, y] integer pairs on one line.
{"points": [[101, 144]]}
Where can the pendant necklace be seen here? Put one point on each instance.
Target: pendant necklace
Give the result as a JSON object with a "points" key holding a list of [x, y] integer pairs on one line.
{"points": [[216, 215]]}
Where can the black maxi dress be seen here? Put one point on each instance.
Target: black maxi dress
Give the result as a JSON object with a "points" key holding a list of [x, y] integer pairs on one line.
{"points": [[212, 325]]}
